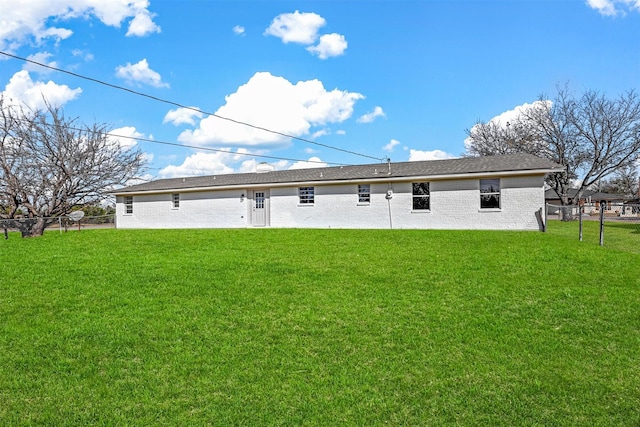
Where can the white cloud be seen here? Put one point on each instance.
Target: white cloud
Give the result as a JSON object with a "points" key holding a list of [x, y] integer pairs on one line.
{"points": [[370, 117], [273, 103], [417, 155], [33, 20], [296, 27], [280, 164], [203, 163], [511, 116], [140, 73], [313, 162], [614, 7], [142, 25], [87, 56], [391, 145], [125, 136], [605, 7], [42, 58], [310, 150], [139, 180], [21, 89], [148, 157], [199, 164], [182, 116], [303, 28], [249, 166], [317, 134], [341, 132], [329, 45], [239, 30]]}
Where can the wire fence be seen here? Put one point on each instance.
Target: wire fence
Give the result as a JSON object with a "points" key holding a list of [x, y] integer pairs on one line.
{"points": [[62, 223], [606, 223], [612, 224]]}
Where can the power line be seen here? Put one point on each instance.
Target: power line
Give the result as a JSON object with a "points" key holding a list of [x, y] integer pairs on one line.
{"points": [[176, 104], [217, 150]]}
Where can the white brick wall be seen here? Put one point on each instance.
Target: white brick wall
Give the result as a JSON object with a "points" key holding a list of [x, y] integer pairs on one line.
{"points": [[220, 209], [455, 204]]}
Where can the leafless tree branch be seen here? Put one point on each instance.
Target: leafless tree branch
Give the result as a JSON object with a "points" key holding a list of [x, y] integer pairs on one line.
{"points": [[50, 163], [592, 136]]}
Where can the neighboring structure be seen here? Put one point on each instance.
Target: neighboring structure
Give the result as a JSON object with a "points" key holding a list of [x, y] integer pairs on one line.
{"points": [[591, 202], [497, 192]]}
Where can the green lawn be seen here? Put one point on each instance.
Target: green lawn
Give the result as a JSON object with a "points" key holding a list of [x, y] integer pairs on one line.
{"points": [[319, 327], [619, 235]]}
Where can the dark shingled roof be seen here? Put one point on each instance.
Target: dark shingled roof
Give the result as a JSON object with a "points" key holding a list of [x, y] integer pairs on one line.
{"points": [[376, 171]]}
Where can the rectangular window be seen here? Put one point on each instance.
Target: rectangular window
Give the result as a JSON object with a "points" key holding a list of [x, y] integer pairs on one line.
{"points": [[128, 204], [306, 195], [421, 196], [176, 200], [489, 194], [364, 193]]}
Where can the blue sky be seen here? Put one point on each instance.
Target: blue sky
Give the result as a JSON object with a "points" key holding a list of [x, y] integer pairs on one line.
{"points": [[402, 79]]}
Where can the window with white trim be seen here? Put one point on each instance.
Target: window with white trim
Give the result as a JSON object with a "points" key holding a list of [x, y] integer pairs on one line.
{"points": [[364, 193], [175, 198], [421, 196], [128, 205], [490, 193], [306, 195]]}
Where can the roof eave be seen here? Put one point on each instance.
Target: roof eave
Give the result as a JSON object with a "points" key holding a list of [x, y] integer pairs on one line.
{"points": [[383, 179]]}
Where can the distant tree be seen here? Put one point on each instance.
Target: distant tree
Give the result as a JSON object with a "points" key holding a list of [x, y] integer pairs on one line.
{"points": [[96, 209], [50, 164], [624, 182], [98, 212], [592, 136]]}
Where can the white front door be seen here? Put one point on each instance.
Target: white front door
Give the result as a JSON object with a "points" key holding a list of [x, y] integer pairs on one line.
{"points": [[260, 208]]}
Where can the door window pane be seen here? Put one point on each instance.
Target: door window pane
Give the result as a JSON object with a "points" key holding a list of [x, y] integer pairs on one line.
{"points": [[259, 200]]}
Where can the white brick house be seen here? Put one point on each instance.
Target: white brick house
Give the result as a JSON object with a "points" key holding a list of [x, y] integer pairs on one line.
{"points": [[498, 192]]}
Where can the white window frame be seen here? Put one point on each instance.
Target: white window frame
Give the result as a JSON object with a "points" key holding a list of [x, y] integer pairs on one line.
{"points": [[175, 201], [128, 205], [306, 196], [490, 192], [423, 196], [364, 194]]}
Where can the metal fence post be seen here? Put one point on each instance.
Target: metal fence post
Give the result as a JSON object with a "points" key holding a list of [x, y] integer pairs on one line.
{"points": [[580, 212], [601, 226]]}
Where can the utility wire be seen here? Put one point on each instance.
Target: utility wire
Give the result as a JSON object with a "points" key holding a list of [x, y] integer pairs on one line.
{"points": [[176, 104], [217, 150]]}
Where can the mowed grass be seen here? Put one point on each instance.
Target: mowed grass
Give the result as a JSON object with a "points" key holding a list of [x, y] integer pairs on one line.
{"points": [[618, 235], [318, 327]]}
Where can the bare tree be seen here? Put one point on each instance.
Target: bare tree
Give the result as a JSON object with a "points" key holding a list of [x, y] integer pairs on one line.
{"points": [[592, 136], [50, 164], [624, 182]]}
